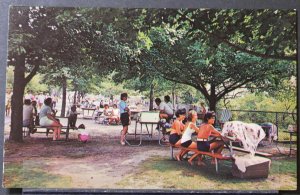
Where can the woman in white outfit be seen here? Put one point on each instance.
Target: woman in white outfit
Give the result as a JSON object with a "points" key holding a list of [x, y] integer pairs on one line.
{"points": [[189, 129], [47, 119]]}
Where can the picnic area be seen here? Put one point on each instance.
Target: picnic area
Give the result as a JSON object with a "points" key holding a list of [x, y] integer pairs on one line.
{"points": [[164, 99]]}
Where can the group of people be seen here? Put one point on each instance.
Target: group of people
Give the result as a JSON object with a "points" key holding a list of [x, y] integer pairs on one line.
{"points": [[113, 115], [181, 134], [45, 117]]}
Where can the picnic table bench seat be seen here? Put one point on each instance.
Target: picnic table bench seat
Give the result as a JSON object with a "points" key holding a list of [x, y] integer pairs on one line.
{"points": [[198, 152], [67, 128]]}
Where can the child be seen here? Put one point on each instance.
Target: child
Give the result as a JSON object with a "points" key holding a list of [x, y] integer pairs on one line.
{"points": [[124, 111], [73, 116], [83, 135]]}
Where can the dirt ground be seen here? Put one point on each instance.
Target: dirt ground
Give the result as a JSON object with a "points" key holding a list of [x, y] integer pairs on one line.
{"points": [[100, 163]]}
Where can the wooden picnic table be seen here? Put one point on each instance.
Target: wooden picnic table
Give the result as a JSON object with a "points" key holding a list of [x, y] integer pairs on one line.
{"points": [[87, 113]]}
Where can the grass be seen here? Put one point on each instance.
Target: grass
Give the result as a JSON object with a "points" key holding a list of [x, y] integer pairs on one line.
{"points": [[162, 173], [31, 175]]}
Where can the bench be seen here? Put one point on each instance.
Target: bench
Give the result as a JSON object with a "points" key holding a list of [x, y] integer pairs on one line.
{"points": [[256, 153], [67, 128], [197, 153]]}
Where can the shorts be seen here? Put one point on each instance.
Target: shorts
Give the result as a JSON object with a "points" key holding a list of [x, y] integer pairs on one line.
{"points": [[45, 121], [124, 119], [203, 146], [173, 139], [186, 144]]}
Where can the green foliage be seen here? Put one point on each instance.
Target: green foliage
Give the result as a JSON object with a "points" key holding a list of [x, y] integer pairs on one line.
{"points": [[36, 85]]}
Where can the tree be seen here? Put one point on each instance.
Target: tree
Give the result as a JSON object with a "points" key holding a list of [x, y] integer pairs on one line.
{"points": [[268, 34], [64, 35], [26, 54], [214, 71]]}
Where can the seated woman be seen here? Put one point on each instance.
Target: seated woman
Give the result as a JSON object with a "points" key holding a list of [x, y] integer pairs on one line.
{"points": [[47, 119], [177, 128], [189, 129], [115, 115], [207, 129]]}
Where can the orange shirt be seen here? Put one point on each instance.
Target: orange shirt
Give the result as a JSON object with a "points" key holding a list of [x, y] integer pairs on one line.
{"points": [[177, 127], [207, 130]]}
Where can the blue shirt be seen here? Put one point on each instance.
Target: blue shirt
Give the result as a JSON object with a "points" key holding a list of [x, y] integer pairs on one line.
{"points": [[44, 111], [122, 106]]}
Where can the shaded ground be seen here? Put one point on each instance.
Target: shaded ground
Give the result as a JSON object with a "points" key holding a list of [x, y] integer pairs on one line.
{"points": [[104, 163]]}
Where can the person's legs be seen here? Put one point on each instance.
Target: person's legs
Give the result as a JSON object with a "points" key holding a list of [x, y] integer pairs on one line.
{"points": [[125, 123], [124, 131], [56, 130], [217, 147]]}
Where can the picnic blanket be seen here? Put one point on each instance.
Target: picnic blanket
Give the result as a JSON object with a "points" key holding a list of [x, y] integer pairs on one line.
{"points": [[249, 134]]}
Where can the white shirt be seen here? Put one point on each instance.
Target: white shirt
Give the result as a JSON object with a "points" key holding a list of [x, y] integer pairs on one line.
{"points": [[41, 99], [166, 108], [115, 112], [187, 134], [27, 112]]}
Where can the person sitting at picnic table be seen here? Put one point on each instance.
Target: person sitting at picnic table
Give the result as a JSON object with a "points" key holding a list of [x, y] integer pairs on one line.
{"points": [[101, 104], [106, 110], [165, 109], [115, 115], [177, 128], [47, 119], [28, 114], [189, 129], [206, 130], [165, 112]]}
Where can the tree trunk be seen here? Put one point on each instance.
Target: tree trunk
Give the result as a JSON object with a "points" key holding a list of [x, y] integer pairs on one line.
{"points": [[151, 97], [75, 95], [213, 99], [64, 97], [173, 97], [16, 131]]}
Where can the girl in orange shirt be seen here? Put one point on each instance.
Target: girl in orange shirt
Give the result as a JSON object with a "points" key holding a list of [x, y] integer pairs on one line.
{"points": [[207, 129], [177, 128]]}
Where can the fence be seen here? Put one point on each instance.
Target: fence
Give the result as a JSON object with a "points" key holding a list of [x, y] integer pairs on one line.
{"points": [[280, 119]]}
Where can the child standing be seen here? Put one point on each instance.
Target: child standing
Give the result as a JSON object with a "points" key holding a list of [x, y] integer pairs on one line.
{"points": [[73, 117], [124, 116]]}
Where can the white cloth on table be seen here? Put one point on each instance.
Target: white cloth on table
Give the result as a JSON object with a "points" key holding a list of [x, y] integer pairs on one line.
{"points": [[242, 162], [249, 134]]}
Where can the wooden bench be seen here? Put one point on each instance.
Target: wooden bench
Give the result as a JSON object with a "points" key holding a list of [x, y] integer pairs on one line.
{"points": [[256, 153], [197, 153], [67, 128]]}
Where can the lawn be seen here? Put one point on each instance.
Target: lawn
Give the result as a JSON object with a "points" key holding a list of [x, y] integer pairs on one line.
{"points": [[159, 172]]}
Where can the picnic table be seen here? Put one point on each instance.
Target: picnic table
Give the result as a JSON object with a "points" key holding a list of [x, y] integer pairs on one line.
{"points": [[144, 119], [88, 113]]}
